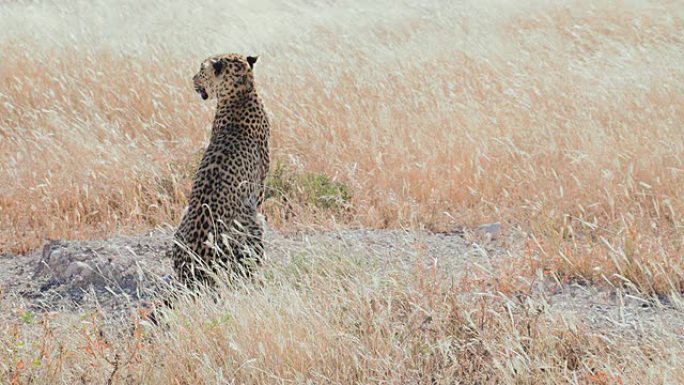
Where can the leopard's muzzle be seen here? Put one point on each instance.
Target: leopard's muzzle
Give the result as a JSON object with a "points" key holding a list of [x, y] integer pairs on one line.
{"points": [[203, 93]]}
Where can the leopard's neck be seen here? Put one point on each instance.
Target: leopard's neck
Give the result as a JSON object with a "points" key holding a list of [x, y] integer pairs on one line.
{"points": [[245, 110]]}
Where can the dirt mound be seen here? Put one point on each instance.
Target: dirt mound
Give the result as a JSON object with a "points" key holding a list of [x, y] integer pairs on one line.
{"points": [[119, 272], [68, 274]]}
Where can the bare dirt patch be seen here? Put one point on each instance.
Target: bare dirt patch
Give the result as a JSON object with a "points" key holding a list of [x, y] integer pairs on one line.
{"points": [[115, 275], [119, 272]]}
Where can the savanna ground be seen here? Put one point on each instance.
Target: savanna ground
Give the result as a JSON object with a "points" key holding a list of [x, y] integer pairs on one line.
{"points": [[563, 121]]}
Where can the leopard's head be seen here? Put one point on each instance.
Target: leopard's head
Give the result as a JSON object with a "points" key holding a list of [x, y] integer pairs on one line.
{"points": [[225, 76]]}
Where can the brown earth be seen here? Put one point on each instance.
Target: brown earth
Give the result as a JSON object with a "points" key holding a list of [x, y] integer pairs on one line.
{"points": [[115, 275]]}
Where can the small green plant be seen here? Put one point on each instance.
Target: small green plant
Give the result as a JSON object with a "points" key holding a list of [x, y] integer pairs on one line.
{"points": [[313, 190], [325, 193], [28, 317]]}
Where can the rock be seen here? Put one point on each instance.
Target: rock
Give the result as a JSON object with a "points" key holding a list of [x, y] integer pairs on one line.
{"points": [[50, 284], [78, 270], [103, 266], [490, 230]]}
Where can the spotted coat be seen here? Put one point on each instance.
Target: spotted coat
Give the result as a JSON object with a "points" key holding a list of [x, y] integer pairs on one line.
{"points": [[220, 227]]}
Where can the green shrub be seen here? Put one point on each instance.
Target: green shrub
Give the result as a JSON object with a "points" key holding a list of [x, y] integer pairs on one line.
{"points": [[313, 190]]}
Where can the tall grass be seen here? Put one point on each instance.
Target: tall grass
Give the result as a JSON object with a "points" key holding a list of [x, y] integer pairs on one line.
{"points": [[327, 318], [563, 120]]}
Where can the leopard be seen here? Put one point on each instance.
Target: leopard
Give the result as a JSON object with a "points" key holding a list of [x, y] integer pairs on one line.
{"points": [[222, 227]]}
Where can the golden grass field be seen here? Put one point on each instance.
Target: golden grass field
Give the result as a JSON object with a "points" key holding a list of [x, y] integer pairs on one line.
{"points": [[562, 120]]}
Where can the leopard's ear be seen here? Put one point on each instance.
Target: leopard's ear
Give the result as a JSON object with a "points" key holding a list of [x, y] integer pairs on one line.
{"points": [[251, 60], [218, 66]]}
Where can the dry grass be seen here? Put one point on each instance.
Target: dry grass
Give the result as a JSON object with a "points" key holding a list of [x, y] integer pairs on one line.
{"points": [[563, 120], [332, 319], [572, 130]]}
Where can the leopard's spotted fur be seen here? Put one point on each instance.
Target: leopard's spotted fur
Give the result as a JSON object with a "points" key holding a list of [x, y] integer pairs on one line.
{"points": [[221, 227]]}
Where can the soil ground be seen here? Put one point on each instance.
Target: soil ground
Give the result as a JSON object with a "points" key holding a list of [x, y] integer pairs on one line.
{"points": [[115, 275]]}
